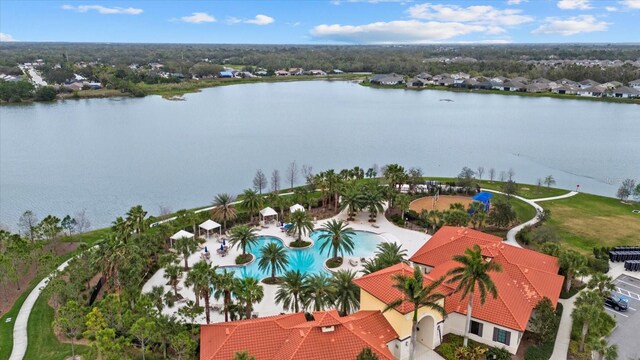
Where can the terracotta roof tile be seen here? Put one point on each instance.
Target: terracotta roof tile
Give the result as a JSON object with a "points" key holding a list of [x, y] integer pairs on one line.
{"points": [[380, 284], [527, 276], [328, 336]]}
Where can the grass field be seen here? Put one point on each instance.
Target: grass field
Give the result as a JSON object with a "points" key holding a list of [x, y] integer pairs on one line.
{"points": [[527, 191], [586, 221]]}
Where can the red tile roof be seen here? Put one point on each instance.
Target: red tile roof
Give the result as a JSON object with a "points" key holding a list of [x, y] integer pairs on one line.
{"points": [[527, 276], [380, 284], [293, 337]]}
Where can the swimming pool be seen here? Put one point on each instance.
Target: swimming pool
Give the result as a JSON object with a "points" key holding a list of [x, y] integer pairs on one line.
{"points": [[309, 260]]}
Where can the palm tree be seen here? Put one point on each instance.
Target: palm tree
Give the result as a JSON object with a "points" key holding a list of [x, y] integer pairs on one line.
{"points": [[292, 288], [156, 296], [347, 293], [373, 201], [186, 246], [172, 273], [390, 253], [224, 285], [252, 202], [352, 199], [274, 257], [434, 218], [588, 310], [201, 277], [303, 196], [135, 217], [121, 228], [336, 236], [320, 292], [602, 284], [571, 262], [243, 236], [243, 356], [113, 253], [476, 209], [301, 224], [604, 350], [402, 203], [414, 291], [473, 273], [248, 292], [223, 209]]}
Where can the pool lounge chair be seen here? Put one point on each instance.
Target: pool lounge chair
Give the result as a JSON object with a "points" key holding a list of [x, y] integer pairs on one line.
{"points": [[353, 262]]}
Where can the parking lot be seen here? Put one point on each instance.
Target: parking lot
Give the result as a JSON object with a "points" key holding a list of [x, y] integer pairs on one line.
{"points": [[625, 335]]}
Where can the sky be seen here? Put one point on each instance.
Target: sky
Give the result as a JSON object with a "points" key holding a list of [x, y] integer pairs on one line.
{"points": [[322, 21]]}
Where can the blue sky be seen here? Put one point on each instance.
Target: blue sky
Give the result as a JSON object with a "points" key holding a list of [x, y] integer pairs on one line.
{"points": [[322, 21]]}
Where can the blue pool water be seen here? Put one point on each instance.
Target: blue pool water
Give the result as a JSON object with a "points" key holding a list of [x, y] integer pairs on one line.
{"points": [[309, 260]]}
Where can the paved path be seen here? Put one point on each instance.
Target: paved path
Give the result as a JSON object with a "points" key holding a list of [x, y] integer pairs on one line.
{"points": [[511, 235], [20, 338]]}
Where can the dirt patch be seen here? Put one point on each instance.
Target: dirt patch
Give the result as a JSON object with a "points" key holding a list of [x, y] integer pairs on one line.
{"points": [[443, 203], [12, 292]]}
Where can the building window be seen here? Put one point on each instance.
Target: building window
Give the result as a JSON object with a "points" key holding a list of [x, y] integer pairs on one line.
{"points": [[476, 328], [501, 336]]}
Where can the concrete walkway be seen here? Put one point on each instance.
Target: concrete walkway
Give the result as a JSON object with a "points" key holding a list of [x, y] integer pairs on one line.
{"points": [[20, 338], [511, 235]]}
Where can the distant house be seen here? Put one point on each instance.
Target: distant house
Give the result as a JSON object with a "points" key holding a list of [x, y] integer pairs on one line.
{"points": [[612, 84], [93, 85], [499, 79], [635, 84], [282, 73], [587, 83], [424, 76], [567, 82], [416, 82], [623, 92], [337, 71], [520, 79], [593, 91], [296, 71], [513, 86], [317, 72], [540, 81], [387, 79], [261, 72], [443, 81], [565, 90], [460, 76], [466, 83], [537, 88], [226, 74], [156, 66]]}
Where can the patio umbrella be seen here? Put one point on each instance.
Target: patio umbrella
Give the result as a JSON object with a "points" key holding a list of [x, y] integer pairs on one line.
{"points": [[221, 248], [206, 250], [224, 242]]}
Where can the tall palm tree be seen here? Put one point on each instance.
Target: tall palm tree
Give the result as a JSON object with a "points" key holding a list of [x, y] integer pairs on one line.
{"points": [[588, 310], [135, 216], [252, 202], [301, 224], [602, 284], [186, 246], [571, 262], [373, 201], [121, 228], [303, 196], [156, 296], [274, 257], [113, 253], [243, 236], [248, 292], [478, 214], [352, 200], [604, 350], [402, 203], [320, 292], [414, 291], [223, 209], [201, 277], [224, 285], [172, 273], [473, 273], [292, 290], [336, 236], [390, 253], [347, 293]]}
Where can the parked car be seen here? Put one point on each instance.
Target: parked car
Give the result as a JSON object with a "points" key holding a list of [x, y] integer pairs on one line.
{"points": [[616, 302]]}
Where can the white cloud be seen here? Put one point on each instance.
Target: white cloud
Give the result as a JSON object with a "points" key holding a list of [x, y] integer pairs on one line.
{"points": [[393, 32], [260, 20], [232, 20], [103, 9], [631, 4], [6, 38], [611, 8], [473, 14], [574, 4], [516, 2], [570, 26], [198, 18]]}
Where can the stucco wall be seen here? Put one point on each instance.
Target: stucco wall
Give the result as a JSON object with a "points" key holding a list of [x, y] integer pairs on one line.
{"points": [[455, 322]]}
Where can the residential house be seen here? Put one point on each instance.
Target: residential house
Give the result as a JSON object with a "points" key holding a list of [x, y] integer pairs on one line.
{"points": [[565, 89], [520, 79], [460, 76], [416, 82], [587, 83], [565, 81], [337, 71], [443, 81], [540, 81], [499, 79], [594, 91], [513, 86], [225, 74], [526, 278], [612, 84], [424, 76], [261, 72], [635, 84], [466, 83], [326, 336], [623, 92], [387, 79], [317, 72], [156, 66], [282, 73], [537, 88], [296, 71]]}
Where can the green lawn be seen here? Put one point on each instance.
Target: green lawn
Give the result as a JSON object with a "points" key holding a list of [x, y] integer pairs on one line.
{"points": [[586, 221], [43, 344], [527, 191], [6, 328]]}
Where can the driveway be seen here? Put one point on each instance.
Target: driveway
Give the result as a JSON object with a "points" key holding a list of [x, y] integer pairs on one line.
{"points": [[625, 335]]}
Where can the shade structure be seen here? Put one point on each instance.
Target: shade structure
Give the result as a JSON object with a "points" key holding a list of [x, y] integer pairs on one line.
{"points": [[268, 213], [485, 198], [181, 235], [296, 207], [210, 225]]}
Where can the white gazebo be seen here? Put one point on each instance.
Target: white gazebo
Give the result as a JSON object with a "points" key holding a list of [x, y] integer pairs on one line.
{"points": [[296, 207], [180, 235], [210, 225], [267, 214]]}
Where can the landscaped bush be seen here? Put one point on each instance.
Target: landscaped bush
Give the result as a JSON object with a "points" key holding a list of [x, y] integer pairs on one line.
{"points": [[299, 244], [601, 253], [524, 236], [243, 259], [542, 352], [334, 262], [397, 219], [574, 354], [495, 353], [600, 265]]}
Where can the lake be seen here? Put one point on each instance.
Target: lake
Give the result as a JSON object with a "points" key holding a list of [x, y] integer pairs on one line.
{"points": [[106, 155]]}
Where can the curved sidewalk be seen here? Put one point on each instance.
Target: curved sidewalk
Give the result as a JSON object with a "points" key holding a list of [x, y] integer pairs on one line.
{"points": [[511, 235], [20, 338]]}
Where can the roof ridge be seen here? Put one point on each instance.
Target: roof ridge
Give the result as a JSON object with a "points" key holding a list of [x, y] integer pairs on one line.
{"points": [[295, 350], [223, 342], [355, 327], [509, 309]]}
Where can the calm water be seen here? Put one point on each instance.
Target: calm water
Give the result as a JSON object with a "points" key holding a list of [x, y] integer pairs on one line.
{"points": [[106, 155], [308, 260]]}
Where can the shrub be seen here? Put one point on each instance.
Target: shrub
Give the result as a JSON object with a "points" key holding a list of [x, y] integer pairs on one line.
{"points": [[599, 265], [498, 354], [397, 219], [575, 354], [45, 93], [542, 352], [524, 236], [299, 244], [243, 259], [334, 262], [448, 351]]}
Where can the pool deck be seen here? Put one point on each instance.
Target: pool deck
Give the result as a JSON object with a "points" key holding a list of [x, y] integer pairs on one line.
{"points": [[410, 240]]}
